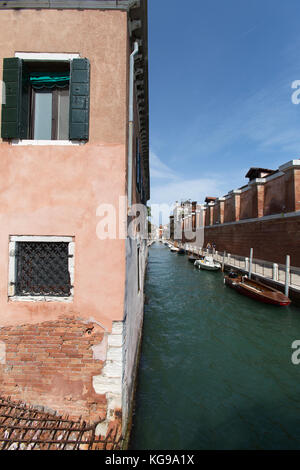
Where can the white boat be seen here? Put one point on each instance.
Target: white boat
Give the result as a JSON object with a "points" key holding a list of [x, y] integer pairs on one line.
{"points": [[207, 263], [174, 249]]}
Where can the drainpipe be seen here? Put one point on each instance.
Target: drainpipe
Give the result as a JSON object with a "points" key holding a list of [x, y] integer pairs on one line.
{"points": [[130, 125]]}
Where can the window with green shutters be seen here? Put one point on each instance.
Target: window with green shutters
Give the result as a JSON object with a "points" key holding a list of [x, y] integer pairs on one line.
{"points": [[46, 100]]}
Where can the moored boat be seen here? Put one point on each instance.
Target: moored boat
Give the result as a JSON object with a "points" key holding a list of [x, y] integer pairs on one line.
{"points": [[195, 257], [256, 290], [181, 251], [207, 263]]}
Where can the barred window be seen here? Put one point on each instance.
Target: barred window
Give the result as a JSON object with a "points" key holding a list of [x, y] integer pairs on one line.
{"points": [[41, 269]]}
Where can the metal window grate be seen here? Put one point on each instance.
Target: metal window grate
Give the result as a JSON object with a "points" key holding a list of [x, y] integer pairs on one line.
{"points": [[42, 269]]}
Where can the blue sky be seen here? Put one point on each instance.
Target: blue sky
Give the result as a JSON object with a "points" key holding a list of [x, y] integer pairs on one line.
{"points": [[220, 76]]}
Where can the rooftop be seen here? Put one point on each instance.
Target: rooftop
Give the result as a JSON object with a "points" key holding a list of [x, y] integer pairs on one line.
{"points": [[23, 427], [210, 199], [255, 172], [81, 4]]}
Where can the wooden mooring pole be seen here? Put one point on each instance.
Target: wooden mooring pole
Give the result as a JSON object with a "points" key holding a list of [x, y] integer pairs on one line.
{"points": [[223, 262], [250, 262], [287, 275]]}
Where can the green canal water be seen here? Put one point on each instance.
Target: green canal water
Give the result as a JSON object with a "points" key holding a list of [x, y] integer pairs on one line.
{"points": [[215, 369]]}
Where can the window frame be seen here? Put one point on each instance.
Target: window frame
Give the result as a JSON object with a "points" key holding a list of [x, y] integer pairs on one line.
{"points": [[12, 274], [55, 111], [46, 57]]}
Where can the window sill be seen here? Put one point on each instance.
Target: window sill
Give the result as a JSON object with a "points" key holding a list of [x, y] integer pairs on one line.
{"points": [[47, 142], [37, 298]]}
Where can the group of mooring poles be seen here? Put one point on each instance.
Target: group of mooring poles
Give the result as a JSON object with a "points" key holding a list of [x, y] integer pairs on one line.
{"points": [[249, 262]]}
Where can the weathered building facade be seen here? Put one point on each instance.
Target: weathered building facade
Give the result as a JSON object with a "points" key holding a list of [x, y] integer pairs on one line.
{"points": [[186, 222], [74, 158]]}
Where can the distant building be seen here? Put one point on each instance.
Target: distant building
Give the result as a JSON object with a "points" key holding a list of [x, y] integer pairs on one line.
{"points": [[184, 221], [171, 227]]}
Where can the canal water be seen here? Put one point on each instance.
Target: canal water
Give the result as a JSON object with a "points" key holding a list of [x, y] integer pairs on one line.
{"points": [[215, 369]]}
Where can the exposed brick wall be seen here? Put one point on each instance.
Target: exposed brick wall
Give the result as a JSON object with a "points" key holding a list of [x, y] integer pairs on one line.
{"points": [[237, 198], [206, 216], [275, 196], [260, 200], [290, 201], [247, 204], [216, 213], [51, 364], [297, 189], [271, 239], [222, 204], [229, 212], [211, 214]]}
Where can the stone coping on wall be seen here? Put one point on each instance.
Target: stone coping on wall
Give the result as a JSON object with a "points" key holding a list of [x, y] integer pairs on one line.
{"points": [[258, 219], [71, 4], [292, 164]]}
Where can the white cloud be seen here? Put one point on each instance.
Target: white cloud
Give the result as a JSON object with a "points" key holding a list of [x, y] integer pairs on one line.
{"points": [[177, 188], [195, 189], [159, 169]]}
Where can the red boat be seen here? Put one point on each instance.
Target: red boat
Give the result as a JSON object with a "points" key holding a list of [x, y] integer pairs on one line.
{"points": [[256, 290]]}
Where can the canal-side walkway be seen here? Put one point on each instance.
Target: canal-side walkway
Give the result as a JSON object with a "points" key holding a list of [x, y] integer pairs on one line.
{"points": [[215, 369], [264, 269], [273, 274]]}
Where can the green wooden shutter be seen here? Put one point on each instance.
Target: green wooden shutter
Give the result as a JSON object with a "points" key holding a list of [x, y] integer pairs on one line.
{"points": [[12, 78], [24, 103], [79, 99]]}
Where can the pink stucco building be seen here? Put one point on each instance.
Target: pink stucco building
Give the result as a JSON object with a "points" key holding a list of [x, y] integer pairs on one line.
{"points": [[73, 158]]}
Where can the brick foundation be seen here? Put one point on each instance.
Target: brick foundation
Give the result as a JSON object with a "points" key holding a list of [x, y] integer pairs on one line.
{"points": [[51, 364]]}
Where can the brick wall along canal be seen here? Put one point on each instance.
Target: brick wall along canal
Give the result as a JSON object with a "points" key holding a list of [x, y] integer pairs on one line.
{"points": [[215, 369]]}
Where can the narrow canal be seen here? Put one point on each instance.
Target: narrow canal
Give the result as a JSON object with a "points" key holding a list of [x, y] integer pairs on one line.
{"points": [[215, 369]]}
